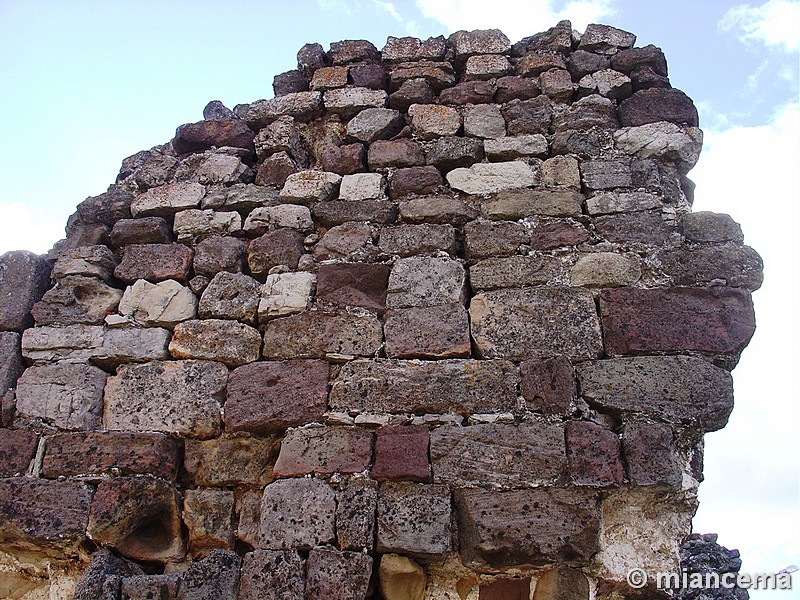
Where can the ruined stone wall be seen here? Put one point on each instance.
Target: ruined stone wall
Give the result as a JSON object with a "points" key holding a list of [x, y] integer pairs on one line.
{"points": [[435, 321]]}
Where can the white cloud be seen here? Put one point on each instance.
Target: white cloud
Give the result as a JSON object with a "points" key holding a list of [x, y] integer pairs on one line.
{"points": [[516, 18], [775, 24], [26, 228]]}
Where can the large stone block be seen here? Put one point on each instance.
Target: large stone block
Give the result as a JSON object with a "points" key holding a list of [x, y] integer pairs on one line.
{"points": [[303, 106], [645, 227], [336, 575], [144, 230], [662, 141], [594, 454], [216, 576], [426, 281], [535, 323], [208, 515], [658, 104], [528, 117], [399, 577], [527, 527], [483, 239], [562, 584], [11, 366], [706, 226], [204, 135], [498, 455], [154, 262], [428, 332], [650, 454], [179, 397], [437, 209], [438, 75], [548, 385], [678, 389], [17, 450], [373, 124], [272, 575], [353, 284], [228, 342], [324, 450], [166, 200], [297, 514], [517, 204], [163, 586], [736, 265], [413, 518], [196, 224], [418, 387], [489, 178], [163, 304], [104, 576], [604, 270], [231, 296], [479, 41], [66, 395], [401, 453], [717, 320], [224, 462], [512, 272], [274, 248], [356, 502], [427, 238], [86, 261], [307, 187], [264, 218], [450, 153], [76, 299], [430, 121], [216, 254], [285, 294], [266, 397], [415, 181], [484, 121], [558, 234], [395, 153]]}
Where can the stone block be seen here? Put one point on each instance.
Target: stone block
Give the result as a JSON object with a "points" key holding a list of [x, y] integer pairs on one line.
{"points": [[557, 85], [138, 517], [517, 324], [356, 502], [425, 281], [401, 453], [430, 121], [338, 575], [400, 578], [705, 226], [410, 240], [146, 587], [498, 455], [205, 135], [228, 342], [593, 454], [607, 83], [303, 106], [266, 218], [282, 135], [650, 454], [352, 51], [216, 254], [658, 104], [562, 584], [349, 102], [413, 518], [506, 589], [369, 76], [731, 263], [99, 453], [297, 514], [562, 171], [606, 203], [208, 515], [154, 262], [448, 153], [285, 294], [307, 187], [274, 248], [678, 389], [87, 261], [66, 395], [196, 224], [479, 41], [438, 75], [215, 576], [517, 204], [487, 66], [512, 272], [326, 78], [267, 397], [272, 575], [527, 527], [343, 160], [537, 62], [606, 174], [437, 209], [662, 141], [605, 270], [558, 234], [104, 576], [516, 88], [324, 450], [227, 462], [604, 39], [163, 304], [575, 124], [412, 91], [336, 212], [76, 299], [434, 332], [347, 240], [144, 230], [489, 178], [511, 148], [548, 385], [11, 366], [528, 116], [17, 449], [231, 296], [484, 121], [219, 167], [131, 344], [716, 320], [362, 186], [318, 334], [483, 239], [275, 170], [373, 124], [353, 284], [420, 387], [467, 92], [178, 397], [395, 153], [418, 181], [166, 200], [631, 58], [582, 63]]}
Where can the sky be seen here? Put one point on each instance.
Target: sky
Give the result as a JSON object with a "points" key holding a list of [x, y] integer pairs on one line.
{"points": [[85, 83]]}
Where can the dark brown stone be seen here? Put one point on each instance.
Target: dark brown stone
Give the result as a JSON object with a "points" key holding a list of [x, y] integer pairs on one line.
{"points": [[413, 91], [468, 92], [352, 51], [289, 83], [493, 238], [110, 453], [558, 234], [311, 57], [146, 587], [556, 39], [275, 170], [715, 320], [632, 58], [439, 75], [395, 153], [353, 284], [548, 385], [593, 454], [506, 589], [17, 449], [24, 278], [650, 454], [272, 575], [528, 116], [428, 332], [154, 262], [562, 584], [419, 181], [343, 160], [103, 578], [369, 76], [645, 227], [516, 88], [401, 453], [274, 248], [583, 115], [219, 253], [204, 135], [267, 397], [324, 450], [658, 104], [216, 576], [224, 462], [145, 230], [705, 226], [448, 153], [540, 61], [583, 63], [107, 208], [335, 575], [734, 264]]}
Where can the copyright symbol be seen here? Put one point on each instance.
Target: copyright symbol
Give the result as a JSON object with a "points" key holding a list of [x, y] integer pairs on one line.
{"points": [[637, 578]]}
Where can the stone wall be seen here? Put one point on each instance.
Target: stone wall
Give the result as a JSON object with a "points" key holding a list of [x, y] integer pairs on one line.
{"points": [[436, 321]]}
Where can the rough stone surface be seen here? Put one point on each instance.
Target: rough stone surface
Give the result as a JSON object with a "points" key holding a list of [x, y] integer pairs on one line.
{"points": [[705, 226], [512, 272], [650, 455], [338, 575], [395, 153], [306, 187], [17, 449], [144, 230], [285, 294], [605, 270], [521, 203], [11, 366], [154, 262], [400, 578], [216, 576], [563, 583], [230, 296], [166, 200], [88, 261], [448, 153], [483, 239], [318, 334], [606, 203], [373, 124], [656, 104], [528, 116], [415, 181], [488, 178], [208, 516], [163, 304], [413, 518], [548, 385], [593, 454], [216, 254], [353, 284], [510, 148], [645, 227], [265, 218], [484, 121], [662, 141], [195, 224], [232, 461], [356, 502], [324, 450], [531, 323], [604, 39], [228, 342], [303, 106], [410, 240], [430, 121], [733, 264], [204, 135], [425, 281], [271, 575], [428, 332], [274, 248], [437, 209], [104, 576], [76, 299], [507, 589], [401, 453], [297, 514]]}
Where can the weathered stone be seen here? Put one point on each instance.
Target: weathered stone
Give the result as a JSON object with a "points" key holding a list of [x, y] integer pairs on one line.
{"points": [[561, 171], [104, 577], [356, 502], [678, 389], [373, 124], [163, 304], [166, 200], [412, 91], [144, 230], [413, 518], [311, 57], [266, 218], [604, 39], [662, 141], [628, 60], [353, 284], [561, 584], [415, 181], [343, 160], [267, 397], [430, 121], [488, 178], [419, 387], [181, 397], [230, 296], [400, 49], [606, 174], [428, 332], [228, 342], [449, 153], [528, 116], [650, 454], [17, 449], [338, 575], [516, 88], [735, 265], [324, 450], [510, 148], [425, 281], [336, 212], [216, 110], [507, 589], [11, 366], [705, 226], [467, 92], [395, 153], [218, 167], [401, 453], [608, 83], [106, 208], [535, 526], [98, 453], [318, 334], [303, 106], [517, 204], [584, 114], [269, 575], [557, 84], [326, 78], [208, 515], [285, 294], [274, 248], [276, 169], [718, 320], [593, 454], [606, 203], [604, 270], [362, 186], [195, 224], [280, 136], [400, 578], [530, 323], [158, 169], [582, 63], [479, 41], [204, 135], [216, 576], [216, 254], [645, 77], [437, 209], [347, 240], [409, 240], [483, 239], [154, 262], [227, 462], [67, 395], [439, 75], [348, 102], [241, 197], [512, 272], [138, 517], [146, 587], [198, 284], [484, 121], [558, 39], [558, 234], [297, 514], [307, 187], [371, 76], [537, 62], [76, 299], [87, 261], [548, 385], [658, 104], [352, 51], [487, 66]]}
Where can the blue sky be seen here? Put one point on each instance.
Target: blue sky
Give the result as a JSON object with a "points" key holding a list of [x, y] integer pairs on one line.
{"points": [[85, 83]]}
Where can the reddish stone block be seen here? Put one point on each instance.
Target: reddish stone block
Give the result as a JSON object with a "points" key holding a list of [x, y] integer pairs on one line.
{"points": [[17, 449], [557, 234], [275, 170], [650, 454], [415, 180], [154, 262], [638, 321], [516, 88], [428, 332], [548, 385], [593, 454], [344, 160], [506, 589], [279, 247], [401, 453], [267, 397], [196, 137], [395, 153], [468, 92], [324, 450], [226, 462], [656, 104], [110, 452], [353, 284], [369, 76]]}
